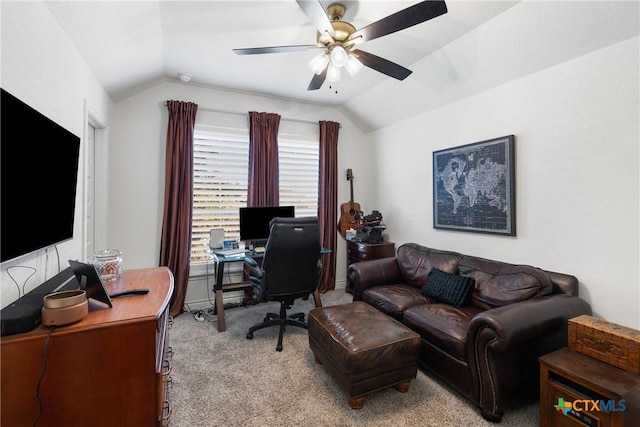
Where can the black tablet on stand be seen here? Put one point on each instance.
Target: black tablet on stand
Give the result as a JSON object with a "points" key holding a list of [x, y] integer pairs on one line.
{"points": [[90, 281]]}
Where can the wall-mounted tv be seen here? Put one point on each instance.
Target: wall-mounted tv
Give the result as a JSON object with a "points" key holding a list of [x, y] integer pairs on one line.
{"points": [[38, 179], [254, 221]]}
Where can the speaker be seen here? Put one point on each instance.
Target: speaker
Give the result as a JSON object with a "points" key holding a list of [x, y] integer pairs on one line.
{"points": [[216, 238]]}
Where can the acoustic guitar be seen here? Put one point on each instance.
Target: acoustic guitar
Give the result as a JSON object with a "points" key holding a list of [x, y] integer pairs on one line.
{"points": [[350, 212]]}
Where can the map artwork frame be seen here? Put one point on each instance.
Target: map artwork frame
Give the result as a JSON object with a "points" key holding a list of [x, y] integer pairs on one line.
{"points": [[474, 187]]}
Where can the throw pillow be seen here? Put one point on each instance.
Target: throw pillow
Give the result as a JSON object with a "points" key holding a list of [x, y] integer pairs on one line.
{"points": [[448, 288]]}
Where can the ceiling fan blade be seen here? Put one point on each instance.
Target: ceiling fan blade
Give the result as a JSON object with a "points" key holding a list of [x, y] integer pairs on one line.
{"points": [[318, 16], [406, 18], [382, 65], [276, 49], [318, 80]]}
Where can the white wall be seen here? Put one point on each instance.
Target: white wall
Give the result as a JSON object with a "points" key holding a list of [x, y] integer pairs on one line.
{"points": [[43, 69], [137, 158], [577, 162]]}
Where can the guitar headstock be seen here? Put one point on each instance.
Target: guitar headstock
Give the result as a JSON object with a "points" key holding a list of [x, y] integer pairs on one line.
{"points": [[349, 175]]}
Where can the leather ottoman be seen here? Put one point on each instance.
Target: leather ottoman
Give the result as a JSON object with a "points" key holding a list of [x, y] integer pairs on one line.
{"points": [[363, 349]]}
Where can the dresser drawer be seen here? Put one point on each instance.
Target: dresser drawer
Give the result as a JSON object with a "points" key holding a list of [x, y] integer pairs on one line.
{"points": [[366, 251]]}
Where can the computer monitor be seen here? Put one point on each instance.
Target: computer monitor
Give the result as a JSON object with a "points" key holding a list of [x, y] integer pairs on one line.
{"points": [[254, 222]]}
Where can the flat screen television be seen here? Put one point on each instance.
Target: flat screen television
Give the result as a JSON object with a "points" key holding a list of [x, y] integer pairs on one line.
{"points": [[254, 221], [38, 179]]}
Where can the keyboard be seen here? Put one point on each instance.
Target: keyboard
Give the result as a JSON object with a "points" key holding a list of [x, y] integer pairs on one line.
{"points": [[229, 252]]}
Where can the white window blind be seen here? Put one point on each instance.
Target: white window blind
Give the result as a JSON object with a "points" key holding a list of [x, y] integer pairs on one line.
{"points": [[220, 165], [220, 176], [298, 158]]}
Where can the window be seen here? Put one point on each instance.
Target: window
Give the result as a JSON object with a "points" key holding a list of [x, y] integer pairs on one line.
{"points": [[298, 159], [220, 165]]}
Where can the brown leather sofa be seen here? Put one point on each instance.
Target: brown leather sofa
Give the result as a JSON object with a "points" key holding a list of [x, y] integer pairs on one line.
{"points": [[487, 348]]}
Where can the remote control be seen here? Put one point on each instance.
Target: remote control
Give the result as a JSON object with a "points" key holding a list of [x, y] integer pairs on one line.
{"points": [[141, 291]]}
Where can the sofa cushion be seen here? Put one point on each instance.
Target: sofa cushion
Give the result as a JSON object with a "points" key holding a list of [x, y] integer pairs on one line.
{"points": [[442, 325], [498, 283], [448, 288], [416, 261], [393, 300]]}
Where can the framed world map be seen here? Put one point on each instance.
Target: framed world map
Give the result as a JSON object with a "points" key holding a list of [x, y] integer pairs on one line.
{"points": [[474, 187]]}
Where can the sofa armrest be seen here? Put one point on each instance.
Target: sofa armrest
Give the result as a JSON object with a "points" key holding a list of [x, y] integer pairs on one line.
{"points": [[365, 274], [504, 343], [526, 321]]}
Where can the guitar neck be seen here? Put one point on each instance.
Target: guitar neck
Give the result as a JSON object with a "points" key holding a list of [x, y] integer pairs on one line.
{"points": [[351, 199]]}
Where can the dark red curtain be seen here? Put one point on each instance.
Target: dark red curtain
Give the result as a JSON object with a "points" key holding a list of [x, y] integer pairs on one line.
{"points": [[328, 201], [175, 245], [263, 182]]}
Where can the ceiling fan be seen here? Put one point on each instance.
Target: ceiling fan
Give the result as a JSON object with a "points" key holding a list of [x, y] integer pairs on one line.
{"points": [[337, 39]]}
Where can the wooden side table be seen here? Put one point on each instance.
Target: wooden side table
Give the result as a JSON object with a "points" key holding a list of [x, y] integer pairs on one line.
{"points": [[357, 251], [569, 377]]}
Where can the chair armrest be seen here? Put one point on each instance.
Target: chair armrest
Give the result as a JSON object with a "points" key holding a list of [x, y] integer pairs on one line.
{"points": [[526, 321], [365, 274], [252, 268]]}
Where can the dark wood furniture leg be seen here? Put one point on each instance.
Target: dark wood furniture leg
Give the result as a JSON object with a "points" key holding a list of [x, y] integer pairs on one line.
{"points": [[316, 298], [218, 297]]}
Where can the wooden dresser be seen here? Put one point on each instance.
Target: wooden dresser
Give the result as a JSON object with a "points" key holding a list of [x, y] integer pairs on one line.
{"points": [[357, 251], [109, 369]]}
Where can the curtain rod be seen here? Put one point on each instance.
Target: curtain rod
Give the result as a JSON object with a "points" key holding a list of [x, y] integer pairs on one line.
{"points": [[239, 113]]}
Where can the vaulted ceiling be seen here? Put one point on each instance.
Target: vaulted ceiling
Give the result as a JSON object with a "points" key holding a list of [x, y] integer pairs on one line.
{"points": [[132, 45]]}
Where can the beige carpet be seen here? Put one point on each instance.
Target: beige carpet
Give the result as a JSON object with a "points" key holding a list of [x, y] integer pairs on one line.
{"points": [[223, 379]]}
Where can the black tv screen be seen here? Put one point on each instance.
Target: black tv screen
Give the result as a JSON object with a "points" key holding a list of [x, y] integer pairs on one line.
{"points": [[39, 174], [254, 221]]}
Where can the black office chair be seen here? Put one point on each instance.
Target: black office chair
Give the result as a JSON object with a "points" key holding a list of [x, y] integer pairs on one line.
{"points": [[289, 270]]}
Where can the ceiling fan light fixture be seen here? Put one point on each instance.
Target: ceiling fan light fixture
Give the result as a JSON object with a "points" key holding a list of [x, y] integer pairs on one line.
{"points": [[353, 65], [339, 56], [319, 62], [333, 73]]}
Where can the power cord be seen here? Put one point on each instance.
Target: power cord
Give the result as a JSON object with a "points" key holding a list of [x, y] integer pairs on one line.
{"points": [[58, 257], [44, 370], [33, 271], [208, 314], [22, 291], [202, 314], [197, 314]]}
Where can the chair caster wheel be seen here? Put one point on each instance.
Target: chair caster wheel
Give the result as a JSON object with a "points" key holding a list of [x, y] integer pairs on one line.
{"points": [[266, 319], [250, 336], [279, 347]]}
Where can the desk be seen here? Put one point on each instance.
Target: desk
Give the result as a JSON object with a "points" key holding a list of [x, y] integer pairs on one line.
{"points": [[219, 287]]}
